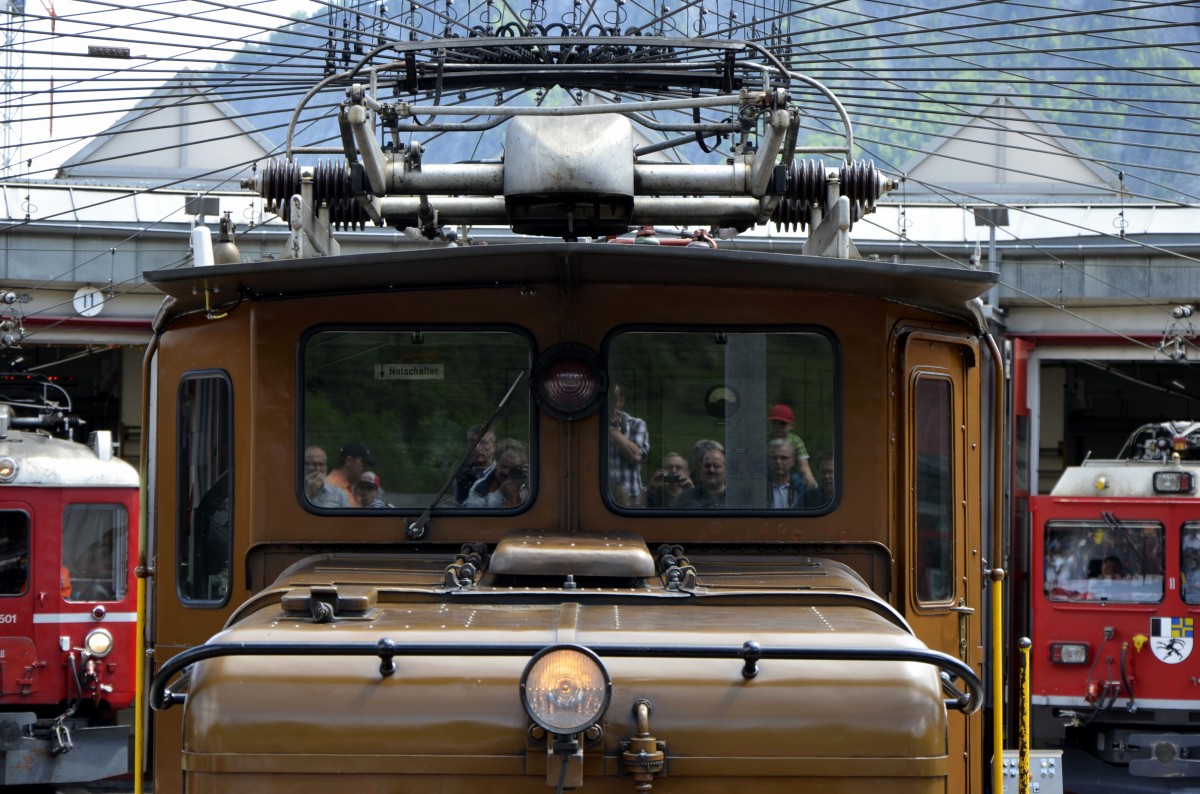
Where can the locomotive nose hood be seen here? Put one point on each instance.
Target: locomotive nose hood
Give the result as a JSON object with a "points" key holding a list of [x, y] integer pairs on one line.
{"points": [[436, 686]]}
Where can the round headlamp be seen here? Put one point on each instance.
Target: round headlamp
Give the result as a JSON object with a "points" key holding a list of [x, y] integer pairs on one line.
{"points": [[567, 382], [98, 643], [8, 469], [565, 689]]}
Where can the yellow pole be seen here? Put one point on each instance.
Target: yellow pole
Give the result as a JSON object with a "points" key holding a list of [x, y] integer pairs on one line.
{"points": [[1023, 728], [139, 678], [143, 571], [997, 576], [997, 553]]}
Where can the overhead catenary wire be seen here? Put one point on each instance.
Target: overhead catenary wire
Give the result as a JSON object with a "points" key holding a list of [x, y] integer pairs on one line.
{"points": [[881, 67]]}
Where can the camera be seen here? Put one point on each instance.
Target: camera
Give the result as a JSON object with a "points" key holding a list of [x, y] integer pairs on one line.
{"points": [[517, 473], [673, 479]]}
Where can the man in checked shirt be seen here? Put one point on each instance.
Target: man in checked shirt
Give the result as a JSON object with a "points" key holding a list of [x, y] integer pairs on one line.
{"points": [[628, 446]]}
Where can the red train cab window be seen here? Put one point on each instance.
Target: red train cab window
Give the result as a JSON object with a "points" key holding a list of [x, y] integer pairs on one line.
{"points": [[14, 552], [95, 552], [1115, 561], [204, 524], [1189, 562]]}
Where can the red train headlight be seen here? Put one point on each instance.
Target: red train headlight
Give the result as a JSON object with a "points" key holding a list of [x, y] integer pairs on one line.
{"points": [[1069, 652], [565, 689], [98, 643], [1174, 482]]}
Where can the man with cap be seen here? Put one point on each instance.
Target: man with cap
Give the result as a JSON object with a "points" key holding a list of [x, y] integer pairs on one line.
{"points": [[366, 491], [352, 461], [781, 423]]}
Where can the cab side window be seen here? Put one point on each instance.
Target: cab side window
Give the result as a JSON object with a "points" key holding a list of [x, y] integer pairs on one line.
{"points": [[204, 524], [14, 552]]}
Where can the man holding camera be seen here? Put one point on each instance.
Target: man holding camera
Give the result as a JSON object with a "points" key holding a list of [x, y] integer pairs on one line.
{"points": [[628, 446], [508, 485], [668, 482], [481, 468]]}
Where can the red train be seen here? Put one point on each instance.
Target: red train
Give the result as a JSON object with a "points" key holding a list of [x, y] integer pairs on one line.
{"points": [[68, 541], [1116, 601]]}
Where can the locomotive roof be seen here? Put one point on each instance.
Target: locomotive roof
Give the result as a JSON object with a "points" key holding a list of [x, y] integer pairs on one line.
{"points": [[950, 291], [43, 460]]}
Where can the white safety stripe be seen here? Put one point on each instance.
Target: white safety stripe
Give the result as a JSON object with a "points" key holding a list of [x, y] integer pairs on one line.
{"points": [[86, 617]]}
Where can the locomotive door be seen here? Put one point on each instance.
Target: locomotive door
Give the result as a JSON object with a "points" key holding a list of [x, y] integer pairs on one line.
{"points": [[940, 515], [19, 663]]}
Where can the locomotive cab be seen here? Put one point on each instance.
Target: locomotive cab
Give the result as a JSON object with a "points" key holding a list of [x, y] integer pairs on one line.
{"points": [[1115, 597], [549, 515], [705, 637], [68, 519]]}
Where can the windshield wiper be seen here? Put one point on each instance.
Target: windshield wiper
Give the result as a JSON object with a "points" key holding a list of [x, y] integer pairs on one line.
{"points": [[416, 530]]}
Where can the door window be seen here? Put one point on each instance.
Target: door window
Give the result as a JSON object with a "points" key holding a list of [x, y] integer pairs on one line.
{"points": [[205, 498], [933, 416]]}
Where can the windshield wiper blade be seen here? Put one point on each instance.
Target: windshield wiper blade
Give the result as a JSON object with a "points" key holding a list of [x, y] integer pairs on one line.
{"points": [[417, 529]]}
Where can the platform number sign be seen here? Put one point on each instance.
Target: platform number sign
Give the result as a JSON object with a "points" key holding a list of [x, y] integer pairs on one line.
{"points": [[88, 301]]}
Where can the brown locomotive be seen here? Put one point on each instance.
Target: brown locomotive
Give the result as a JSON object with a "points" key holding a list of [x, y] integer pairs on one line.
{"points": [[506, 579]]}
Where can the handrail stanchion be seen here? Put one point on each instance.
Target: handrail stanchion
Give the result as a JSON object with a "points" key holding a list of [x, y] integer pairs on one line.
{"points": [[1023, 728], [997, 577]]}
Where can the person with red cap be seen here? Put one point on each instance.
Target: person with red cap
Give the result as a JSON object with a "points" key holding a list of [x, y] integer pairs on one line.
{"points": [[781, 423], [366, 491]]}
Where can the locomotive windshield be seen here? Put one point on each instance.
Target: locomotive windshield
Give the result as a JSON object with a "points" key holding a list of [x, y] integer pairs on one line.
{"points": [[697, 420], [389, 413], [720, 420], [1118, 561]]}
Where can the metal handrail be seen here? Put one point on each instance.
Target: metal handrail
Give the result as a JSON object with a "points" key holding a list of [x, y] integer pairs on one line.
{"points": [[750, 653]]}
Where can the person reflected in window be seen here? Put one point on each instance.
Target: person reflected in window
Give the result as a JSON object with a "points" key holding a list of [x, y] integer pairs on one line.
{"points": [[826, 477], [367, 491], [781, 423], [702, 446], [669, 481], [480, 467], [511, 477], [628, 446], [353, 459], [709, 490], [787, 489], [318, 492]]}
